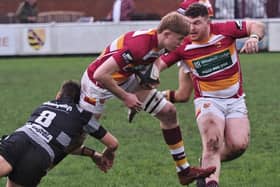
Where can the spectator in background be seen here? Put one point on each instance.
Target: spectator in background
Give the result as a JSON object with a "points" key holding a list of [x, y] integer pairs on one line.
{"points": [[255, 9], [224, 9], [122, 11], [27, 12]]}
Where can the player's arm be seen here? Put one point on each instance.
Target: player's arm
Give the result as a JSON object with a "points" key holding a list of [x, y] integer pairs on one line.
{"points": [[184, 91], [104, 160], [167, 60], [97, 158], [104, 75], [256, 31]]}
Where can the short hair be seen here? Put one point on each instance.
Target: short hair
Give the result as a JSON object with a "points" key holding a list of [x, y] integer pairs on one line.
{"points": [[174, 22], [196, 10], [71, 89]]}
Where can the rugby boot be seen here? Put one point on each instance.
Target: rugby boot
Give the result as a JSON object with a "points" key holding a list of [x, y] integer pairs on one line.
{"points": [[131, 114], [190, 174], [200, 182]]}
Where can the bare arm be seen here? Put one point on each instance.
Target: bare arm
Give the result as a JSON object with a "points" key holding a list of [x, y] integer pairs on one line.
{"points": [[104, 75], [184, 91], [256, 31], [105, 160], [256, 27]]}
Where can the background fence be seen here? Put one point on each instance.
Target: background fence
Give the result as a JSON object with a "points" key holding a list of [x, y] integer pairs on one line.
{"points": [[224, 9]]}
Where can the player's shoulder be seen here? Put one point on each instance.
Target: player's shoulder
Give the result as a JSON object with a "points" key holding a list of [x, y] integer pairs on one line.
{"points": [[141, 37], [227, 25], [141, 41]]}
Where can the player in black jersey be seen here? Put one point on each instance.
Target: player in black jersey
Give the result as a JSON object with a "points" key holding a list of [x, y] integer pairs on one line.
{"points": [[54, 130]]}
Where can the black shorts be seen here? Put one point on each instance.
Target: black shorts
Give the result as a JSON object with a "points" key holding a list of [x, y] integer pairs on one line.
{"points": [[28, 159]]}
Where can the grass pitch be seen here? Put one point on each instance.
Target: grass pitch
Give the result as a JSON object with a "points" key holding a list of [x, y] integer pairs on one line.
{"points": [[143, 159]]}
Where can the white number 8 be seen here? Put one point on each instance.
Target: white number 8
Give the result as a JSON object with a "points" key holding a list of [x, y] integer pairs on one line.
{"points": [[45, 118]]}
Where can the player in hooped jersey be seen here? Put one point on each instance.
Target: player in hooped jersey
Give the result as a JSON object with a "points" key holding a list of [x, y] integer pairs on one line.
{"points": [[54, 130], [210, 65], [126, 70]]}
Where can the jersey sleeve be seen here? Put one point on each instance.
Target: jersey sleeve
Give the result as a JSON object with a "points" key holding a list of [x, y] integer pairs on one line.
{"points": [[124, 57], [234, 29], [130, 53], [171, 58]]}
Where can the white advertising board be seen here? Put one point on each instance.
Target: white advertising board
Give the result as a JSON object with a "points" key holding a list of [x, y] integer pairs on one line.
{"points": [[8, 41], [274, 36]]}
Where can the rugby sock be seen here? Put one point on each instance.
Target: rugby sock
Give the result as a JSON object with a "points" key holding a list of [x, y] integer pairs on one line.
{"points": [[173, 139]]}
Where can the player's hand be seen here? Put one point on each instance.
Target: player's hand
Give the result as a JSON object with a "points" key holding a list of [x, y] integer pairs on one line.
{"points": [[131, 101], [108, 157], [98, 159], [250, 46]]}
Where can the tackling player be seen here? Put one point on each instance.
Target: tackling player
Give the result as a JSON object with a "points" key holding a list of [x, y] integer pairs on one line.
{"points": [[54, 130], [211, 67], [126, 70]]}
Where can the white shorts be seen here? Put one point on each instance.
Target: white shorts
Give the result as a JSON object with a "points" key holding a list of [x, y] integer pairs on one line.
{"points": [[94, 97], [224, 108]]}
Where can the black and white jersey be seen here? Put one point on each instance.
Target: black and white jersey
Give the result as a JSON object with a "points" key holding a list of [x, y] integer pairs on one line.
{"points": [[57, 125]]}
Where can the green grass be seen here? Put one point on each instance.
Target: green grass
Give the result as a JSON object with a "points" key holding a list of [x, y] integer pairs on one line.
{"points": [[143, 158]]}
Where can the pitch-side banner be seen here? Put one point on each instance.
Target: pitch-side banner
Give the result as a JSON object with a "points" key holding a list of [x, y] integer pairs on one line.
{"points": [[274, 36], [36, 40], [7, 41]]}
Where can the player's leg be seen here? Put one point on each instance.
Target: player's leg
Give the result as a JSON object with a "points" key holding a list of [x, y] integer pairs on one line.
{"points": [[237, 134], [211, 128], [211, 125], [93, 97], [237, 130], [32, 165], [12, 184], [156, 104], [5, 167]]}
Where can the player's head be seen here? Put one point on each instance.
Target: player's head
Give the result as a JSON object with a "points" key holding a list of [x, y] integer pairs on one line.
{"points": [[198, 18], [70, 89], [172, 29]]}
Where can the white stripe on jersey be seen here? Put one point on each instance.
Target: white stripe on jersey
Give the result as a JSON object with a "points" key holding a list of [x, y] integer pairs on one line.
{"points": [[214, 39], [114, 45]]}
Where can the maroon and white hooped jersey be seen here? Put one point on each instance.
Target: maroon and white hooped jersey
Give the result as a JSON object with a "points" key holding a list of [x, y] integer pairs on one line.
{"points": [[129, 50], [214, 64], [186, 3]]}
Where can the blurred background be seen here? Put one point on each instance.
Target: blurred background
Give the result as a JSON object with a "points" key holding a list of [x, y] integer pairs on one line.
{"points": [[70, 27], [73, 10]]}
